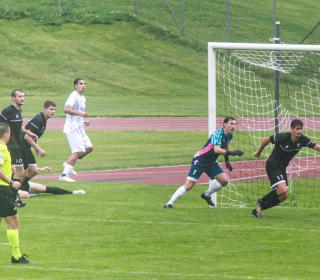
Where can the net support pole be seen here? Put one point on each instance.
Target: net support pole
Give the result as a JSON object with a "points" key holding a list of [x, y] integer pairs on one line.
{"points": [[276, 40], [212, 99]]}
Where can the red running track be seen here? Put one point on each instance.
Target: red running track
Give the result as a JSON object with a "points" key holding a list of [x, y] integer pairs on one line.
{"points": [[176, 175], [180, 123]]}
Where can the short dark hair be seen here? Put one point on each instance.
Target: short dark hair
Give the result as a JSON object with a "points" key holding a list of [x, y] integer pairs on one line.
{"points": [[295, 123], [4, 128], [14, 92], [49, 103], [227, 119], [76, 81]]}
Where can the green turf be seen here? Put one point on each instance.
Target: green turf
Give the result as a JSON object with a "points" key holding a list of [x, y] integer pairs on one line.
{"points": [[121, 231], [125, 149]]}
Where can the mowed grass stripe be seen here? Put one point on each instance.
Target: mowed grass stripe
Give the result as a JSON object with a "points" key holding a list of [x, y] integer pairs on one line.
{"points": [[141, 273], [175, 223]]}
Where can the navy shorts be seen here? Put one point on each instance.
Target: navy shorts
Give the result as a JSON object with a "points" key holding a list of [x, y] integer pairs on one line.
{"points": [[198, 167]]}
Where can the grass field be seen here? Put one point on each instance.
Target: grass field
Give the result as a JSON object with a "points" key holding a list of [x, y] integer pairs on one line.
{"points": [[121, 231], [141, 66]]}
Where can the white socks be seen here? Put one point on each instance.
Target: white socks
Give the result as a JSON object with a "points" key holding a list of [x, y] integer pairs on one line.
{"points": [[67, 169], [214, 186], [179, 192]]}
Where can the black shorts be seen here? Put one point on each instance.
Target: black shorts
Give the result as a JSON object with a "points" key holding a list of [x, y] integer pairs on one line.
{"points": [[7, 201], [276, 174], [28, 158], [16, 154]]}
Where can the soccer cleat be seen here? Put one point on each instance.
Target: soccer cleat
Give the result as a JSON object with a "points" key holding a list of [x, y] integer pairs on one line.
{"points": [[168, 206], [79, 192], [66, 179], [258, 212], [21, 260], [73, 172], [20, 203], [208, 199]]}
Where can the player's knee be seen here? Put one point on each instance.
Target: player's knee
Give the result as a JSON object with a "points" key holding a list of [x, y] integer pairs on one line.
{"points": [[224, 183], [189, 184], [283, 192]]}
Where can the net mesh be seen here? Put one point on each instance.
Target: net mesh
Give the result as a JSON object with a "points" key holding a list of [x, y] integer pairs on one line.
{"points": [[246, 90]]}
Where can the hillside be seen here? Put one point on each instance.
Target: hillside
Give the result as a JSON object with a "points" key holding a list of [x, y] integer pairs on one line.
{"points": [[136, 64]]}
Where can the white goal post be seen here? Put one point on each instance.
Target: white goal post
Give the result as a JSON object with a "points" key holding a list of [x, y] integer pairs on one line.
{"points": [[282, 58]]}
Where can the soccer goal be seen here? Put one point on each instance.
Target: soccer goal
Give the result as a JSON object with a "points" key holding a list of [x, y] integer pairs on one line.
{"points": [[265, 86]]}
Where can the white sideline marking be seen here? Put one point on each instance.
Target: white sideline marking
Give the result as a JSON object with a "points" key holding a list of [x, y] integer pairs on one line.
{"points": [[176, 274], [173, 223]]}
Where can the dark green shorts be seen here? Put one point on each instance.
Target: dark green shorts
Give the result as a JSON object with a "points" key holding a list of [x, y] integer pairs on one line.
{"points": [[212, 169], [28, 158], [7, 201], [16, 154]]}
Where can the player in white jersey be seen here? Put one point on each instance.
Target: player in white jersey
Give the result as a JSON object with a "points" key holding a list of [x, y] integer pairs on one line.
{"points": [[74, 129]]}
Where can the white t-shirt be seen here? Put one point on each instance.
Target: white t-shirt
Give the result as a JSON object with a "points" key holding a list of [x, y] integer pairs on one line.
{"points": [[76, 102]]}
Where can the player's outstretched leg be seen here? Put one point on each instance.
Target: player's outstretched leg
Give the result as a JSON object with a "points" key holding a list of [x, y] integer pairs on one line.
{"points": [[180, 192]]}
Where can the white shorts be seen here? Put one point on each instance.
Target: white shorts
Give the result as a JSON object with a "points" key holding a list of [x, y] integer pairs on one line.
{"points": [[78, 140]]}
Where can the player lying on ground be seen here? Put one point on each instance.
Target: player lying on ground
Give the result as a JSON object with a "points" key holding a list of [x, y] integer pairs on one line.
{"points": [[37, 188], [205, 160], [286, 146], [34, 188]]}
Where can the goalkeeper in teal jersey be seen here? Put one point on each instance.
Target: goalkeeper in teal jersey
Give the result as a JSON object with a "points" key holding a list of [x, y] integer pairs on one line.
{"points": [[205, 161]]}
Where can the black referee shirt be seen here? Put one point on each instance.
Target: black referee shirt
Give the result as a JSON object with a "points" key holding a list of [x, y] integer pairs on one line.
{"points": [[284, 149], [13, 117]]}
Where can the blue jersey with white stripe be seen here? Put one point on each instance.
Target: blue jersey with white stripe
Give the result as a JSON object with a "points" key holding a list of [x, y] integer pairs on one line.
{"points": [[217, 138]]}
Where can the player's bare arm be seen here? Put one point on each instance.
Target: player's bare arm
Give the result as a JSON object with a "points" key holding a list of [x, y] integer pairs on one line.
{"points": [[72, 112], [265, 142], [44, 169], [41, 152], [31, 134], [317, 147]]}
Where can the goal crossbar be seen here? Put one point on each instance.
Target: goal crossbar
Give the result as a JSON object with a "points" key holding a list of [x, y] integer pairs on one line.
{"points": [[271, 47]]}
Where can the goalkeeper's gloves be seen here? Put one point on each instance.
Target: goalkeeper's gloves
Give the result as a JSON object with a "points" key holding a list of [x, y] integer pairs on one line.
{"points": [[234, 153], [228, 165]]}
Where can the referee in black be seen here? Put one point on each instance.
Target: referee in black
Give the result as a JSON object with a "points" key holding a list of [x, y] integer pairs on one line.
{"points": [[286, 146]]}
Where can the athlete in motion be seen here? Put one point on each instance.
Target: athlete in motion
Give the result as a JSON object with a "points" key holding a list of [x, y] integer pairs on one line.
{"points": [[286, 146], [205, 160], [74, 129]]}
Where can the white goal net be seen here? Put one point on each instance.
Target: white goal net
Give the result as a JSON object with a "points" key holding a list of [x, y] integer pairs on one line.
{"points": [[265, 86]]}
